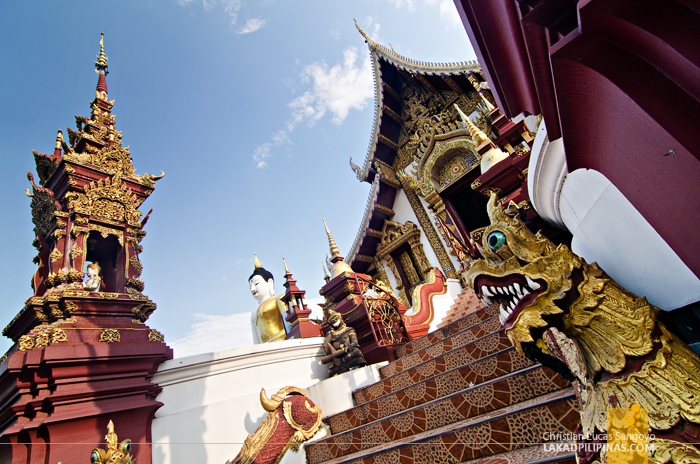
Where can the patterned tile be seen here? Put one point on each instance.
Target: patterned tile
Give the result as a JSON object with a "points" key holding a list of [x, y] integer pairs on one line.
{"points": [[459, 325], [485, 399], [496, 432], [481, 339], [432, 366]]}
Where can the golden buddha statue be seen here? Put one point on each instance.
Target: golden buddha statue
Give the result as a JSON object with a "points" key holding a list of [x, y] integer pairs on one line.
{"points": [[268, 319]]}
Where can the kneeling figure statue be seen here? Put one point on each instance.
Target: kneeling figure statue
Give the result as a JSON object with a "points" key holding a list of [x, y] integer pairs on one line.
{"points": [[341, 346]]}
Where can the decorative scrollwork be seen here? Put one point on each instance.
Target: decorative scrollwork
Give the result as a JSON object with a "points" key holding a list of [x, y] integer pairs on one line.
{"points": [[110, 336]]}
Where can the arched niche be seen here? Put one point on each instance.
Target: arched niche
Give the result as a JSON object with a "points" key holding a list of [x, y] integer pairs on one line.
{"points": [[107, 250], [448, 166]]}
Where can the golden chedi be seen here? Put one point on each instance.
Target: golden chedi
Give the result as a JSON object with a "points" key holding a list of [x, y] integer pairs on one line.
{"points": [[268, 318]]}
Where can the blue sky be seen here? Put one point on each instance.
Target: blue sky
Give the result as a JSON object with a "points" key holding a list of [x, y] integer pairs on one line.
{"points": [[252, 109]]}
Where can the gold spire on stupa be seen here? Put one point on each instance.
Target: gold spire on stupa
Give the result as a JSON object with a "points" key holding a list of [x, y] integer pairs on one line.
{"points": [[257, 262], [477, 135], [339, 267], [334, 248], [286, 271], [101, 63]]}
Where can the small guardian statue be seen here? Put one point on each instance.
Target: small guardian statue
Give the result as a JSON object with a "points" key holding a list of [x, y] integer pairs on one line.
{"points": [[341, 346]]}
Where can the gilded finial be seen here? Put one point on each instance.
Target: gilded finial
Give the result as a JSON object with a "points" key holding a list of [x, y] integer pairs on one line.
{"points": [[370, 42], [257, 262], [478, 136], [111, 437], [325, 274], [101, 63], [334, 248], [59, 139], [116, 453], [286, 271]]}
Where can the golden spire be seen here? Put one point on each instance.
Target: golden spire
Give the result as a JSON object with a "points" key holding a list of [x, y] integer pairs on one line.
{"points": [[257, 262], [370, 42], [101, 63], [59, 139], [286, 271], [325, 274], [478, 136], [334, 248]]}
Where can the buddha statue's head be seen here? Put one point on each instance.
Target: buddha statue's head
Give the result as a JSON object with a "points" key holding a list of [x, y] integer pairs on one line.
{"points": [[261, 282]]}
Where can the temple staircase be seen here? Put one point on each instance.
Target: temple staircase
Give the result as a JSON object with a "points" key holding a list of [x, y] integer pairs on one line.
{"points": [[459, 394]]}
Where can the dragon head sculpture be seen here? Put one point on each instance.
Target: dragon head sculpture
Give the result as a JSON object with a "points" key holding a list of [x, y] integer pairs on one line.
{"points": [[565, 313]]}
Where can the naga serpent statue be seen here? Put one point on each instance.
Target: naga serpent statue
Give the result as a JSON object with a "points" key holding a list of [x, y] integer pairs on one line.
{"points": [[567, 314], [292, 419]]}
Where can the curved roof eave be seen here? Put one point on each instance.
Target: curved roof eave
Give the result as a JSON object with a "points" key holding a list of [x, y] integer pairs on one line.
{"points": [[369, 210], [378, 51]]}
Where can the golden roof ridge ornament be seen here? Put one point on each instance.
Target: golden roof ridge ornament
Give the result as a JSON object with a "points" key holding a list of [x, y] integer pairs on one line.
{"points": [[286, 270], [372, 44], [257, 261], [101, 63], [477, 135], [335, 252]]}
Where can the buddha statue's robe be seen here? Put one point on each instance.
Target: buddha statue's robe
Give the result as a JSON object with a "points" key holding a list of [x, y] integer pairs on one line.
{"points": [[267, 320]]}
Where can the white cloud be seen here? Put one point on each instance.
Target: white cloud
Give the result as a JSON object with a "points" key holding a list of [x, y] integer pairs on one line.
{"points": [[231, 7], [339, 89], [335, 33], [400, 3], [215, 333], [261, 154], [449, 14], [252, 25], [336, 90], [448, 10]]}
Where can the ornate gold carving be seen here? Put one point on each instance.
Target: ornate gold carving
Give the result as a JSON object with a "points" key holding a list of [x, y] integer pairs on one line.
{"points": [[43, 207], [43, 335], [105, 231], [136, 321], [155, 336], [384, 210], [116, 453], [476, 184], [109, 296], [409, 269], [601, 330], [138, 267], [143, 311], [74, 294], [138, 297], [110, 335], [58, 335], [76, 251], [301, 434], [136, 283]]}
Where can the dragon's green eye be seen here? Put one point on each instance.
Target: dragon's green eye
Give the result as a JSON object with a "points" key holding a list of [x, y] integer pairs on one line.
{"points": [[496, 240], [94, 457], [127, 447]]}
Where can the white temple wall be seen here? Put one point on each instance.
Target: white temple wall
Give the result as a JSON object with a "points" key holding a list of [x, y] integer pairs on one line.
{"points": [[214, 397], [607, 228]]}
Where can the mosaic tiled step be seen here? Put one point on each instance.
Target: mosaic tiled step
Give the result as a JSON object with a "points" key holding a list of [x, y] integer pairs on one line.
{"points": [[434, 361], [403, 439], [414, 416], [482, 392], [530, 455], [440, 334], [467, 302], [475, 334]]}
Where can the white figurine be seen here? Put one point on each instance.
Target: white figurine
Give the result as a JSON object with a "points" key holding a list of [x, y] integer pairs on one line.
{"points": [[94, 280]]}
